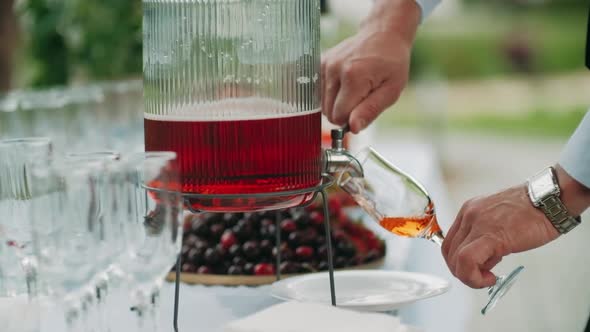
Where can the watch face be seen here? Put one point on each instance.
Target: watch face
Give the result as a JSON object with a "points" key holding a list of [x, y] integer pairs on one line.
{"points": [[543, 186]]}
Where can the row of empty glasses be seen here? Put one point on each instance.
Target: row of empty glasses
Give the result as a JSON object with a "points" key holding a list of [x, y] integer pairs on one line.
{"points": [[75, 226], [83, 118]]}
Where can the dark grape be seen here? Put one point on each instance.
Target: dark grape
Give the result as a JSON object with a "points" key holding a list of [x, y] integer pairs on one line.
{"points": [[340, 262], [307, 268], [214, 218], [252, 216], [251, 250], [230, 219], [322, 252], [286, 252], [249, 268], [200, 228], [201, 245], [239, 261], [290, 267], [222, 252], [268, 232], [323, 266], [215, 231], [190, 239], [266, 247], [320, 240], [235, 270], [346, 249], [302, 221], [189, 268], [253, 220], [309, 236], [266, 222], [242, 231], [212, 256], [235, 250], [296, 239], [194, 256], [221, 268]]}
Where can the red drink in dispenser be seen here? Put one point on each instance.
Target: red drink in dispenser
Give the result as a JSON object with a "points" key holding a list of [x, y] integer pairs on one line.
{"points": [[234, 89], [241, 146]]}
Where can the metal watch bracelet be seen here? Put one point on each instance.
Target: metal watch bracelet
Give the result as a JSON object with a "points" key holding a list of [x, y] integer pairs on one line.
{"points": [[557, 213]]}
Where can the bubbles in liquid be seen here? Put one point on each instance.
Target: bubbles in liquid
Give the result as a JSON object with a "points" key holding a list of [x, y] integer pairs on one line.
{"points": [[231, 109], [303, 80]]}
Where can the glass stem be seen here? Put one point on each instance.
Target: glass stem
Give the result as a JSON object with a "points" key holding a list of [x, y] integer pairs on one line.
{"points": [[499, 281], [101, 294], [72, 319], [437, 238], [154, 310]]}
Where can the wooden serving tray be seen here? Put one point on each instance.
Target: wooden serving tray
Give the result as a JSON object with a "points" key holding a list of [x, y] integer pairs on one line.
{"points": [[227, 280]]}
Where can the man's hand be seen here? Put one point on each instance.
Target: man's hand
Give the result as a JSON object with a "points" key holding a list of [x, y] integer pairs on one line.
{"points": [[366, 73], [489, 228]]}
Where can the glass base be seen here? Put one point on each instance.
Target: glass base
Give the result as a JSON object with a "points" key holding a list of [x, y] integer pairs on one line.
{"points": [[502, 286]]}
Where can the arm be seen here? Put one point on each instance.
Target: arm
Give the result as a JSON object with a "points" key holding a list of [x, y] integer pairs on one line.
{"points": [[366, 73], [489, 228]]}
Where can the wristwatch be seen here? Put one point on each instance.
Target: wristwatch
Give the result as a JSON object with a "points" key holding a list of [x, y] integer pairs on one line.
{"points": [[544, 193]]}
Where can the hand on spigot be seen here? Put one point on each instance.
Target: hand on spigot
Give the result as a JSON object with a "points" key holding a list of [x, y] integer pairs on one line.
{"points": [[488, 228], [365, 74]]}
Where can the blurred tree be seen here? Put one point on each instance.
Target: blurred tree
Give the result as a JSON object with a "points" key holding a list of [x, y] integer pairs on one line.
{"points": [[105, 37], [7, 42], [540, 3], [45, 44], [81, 39]]}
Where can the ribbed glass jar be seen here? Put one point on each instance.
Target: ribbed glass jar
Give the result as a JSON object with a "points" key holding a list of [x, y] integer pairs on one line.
{"points": [[233, 87]]}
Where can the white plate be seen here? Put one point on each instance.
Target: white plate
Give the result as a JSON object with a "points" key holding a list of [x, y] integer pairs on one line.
{"points": [[363, 290]]}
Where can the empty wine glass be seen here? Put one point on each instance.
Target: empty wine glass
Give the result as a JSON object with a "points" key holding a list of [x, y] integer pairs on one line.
{"points": [[402, 206], [106, 233], [64, 232], [16, 159], [152, 228]]}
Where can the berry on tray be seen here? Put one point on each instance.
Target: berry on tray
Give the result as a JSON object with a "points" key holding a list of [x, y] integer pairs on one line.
{"points": [[245, 243]]}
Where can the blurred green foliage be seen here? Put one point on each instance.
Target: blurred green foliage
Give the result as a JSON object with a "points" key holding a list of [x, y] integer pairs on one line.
{"points": [[102, 40], [481, 41], [546, 123], [79, 39], [493, 40]]}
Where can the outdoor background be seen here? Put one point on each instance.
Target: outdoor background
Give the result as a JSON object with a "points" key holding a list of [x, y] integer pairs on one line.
{"points": [[496, 87]]}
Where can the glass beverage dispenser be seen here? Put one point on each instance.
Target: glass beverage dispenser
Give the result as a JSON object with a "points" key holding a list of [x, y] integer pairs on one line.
{"points": [[232, 86]]}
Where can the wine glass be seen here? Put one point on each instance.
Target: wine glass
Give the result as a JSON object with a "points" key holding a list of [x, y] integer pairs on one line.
{"points": [[106, 233], [152, 228], [402, 206], [16, 159], [65, 232]]}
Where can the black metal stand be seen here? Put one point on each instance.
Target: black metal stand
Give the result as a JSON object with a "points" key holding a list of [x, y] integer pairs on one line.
{"points": [[327, 181]]}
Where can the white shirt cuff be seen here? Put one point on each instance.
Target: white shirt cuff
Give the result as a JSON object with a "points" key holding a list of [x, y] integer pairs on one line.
{"points": [[575, 157], [427, 7]]}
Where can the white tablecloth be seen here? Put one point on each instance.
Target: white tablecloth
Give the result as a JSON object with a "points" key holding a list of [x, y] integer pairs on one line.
{"points": [[207, 309]]}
